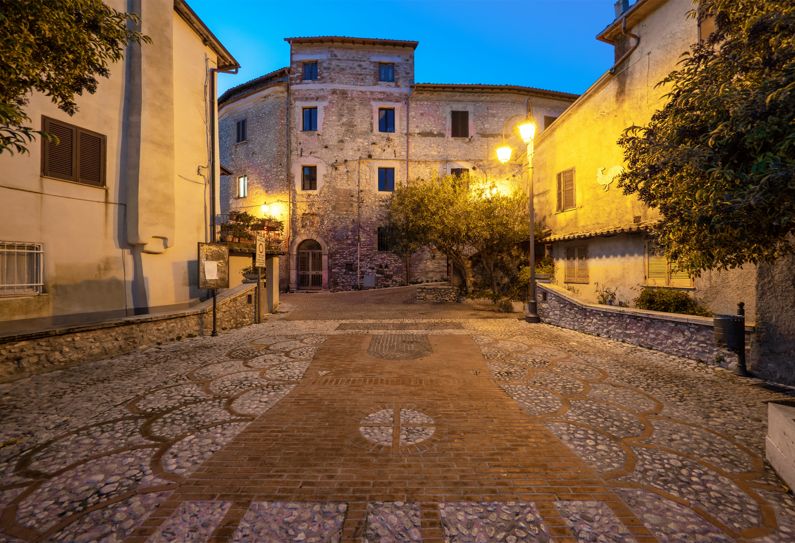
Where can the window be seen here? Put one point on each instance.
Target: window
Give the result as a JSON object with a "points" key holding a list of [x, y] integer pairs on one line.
{"points": [[548, 120], [309, 178], [384, 238], [662, 273], [242, 186], [459, 173], [460, 124], [241, 131], [310, 119], [78, 155], [386, 119], [386, 71], [386, 179], [310, 71], [576, 268], [21, 268], [566, 194]]}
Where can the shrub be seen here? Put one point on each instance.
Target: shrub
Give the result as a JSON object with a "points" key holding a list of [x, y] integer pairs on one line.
{"points": [[670, 301]]}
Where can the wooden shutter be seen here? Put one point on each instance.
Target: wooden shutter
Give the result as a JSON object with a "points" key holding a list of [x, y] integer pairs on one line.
{"points": [[582, 264], [460, 124], [569, 200], [59, 157], [90, 159], [560, 192], [570, 270]]}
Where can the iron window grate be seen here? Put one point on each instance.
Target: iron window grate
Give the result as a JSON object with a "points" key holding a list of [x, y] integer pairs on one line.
{"points": [[21, 268]]}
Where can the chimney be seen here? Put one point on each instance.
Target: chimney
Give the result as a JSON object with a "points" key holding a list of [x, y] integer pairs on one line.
{"points": [[621, 6]]}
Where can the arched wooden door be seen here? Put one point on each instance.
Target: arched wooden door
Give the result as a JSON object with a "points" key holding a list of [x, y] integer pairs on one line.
{"points": [[310, 265]]}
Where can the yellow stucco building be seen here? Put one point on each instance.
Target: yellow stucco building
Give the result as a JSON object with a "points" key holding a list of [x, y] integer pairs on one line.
{"points": [[107, 222], [598, 234]]}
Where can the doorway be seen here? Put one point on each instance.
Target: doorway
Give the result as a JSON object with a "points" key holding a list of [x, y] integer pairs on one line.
{"points": [[310, 265]]}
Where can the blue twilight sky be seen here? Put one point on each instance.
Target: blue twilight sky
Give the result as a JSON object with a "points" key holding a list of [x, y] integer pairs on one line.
{"points": [[539, 43]]}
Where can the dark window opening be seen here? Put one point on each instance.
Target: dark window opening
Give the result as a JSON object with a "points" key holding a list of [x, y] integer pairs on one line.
{"points": [[386, 71], [460, 124], [459, 173], [78, 155], [386, 119], [310, 119], [241, 131], [309, 178], [386, 179], [384, 238], [310, 71], [548, 120]]}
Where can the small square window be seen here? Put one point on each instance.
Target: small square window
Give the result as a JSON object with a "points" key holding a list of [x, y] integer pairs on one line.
{"points": [[386, 72], [459, 173], [77, 156], [386, 119], [309, 178], [21, 268], [310, 71], [386, 179], [241, 131], [310, 119], [460, 124], [242, 186]]}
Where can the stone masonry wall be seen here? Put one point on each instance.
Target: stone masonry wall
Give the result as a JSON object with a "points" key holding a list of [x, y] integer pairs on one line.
{"points": [[436, 294], [34, 353], [681, 335]]}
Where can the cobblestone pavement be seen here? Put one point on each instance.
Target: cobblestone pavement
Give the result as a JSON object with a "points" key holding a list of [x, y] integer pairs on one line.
{"points": [[466, 430]]}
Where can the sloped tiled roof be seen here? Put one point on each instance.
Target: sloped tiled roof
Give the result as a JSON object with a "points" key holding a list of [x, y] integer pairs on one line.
{"points": [[255, 84], [353, 41], [477, 87]]}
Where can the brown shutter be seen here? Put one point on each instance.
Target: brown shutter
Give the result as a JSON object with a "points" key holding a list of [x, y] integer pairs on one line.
{"points": [[569, 200], [460, 124], [90, 159], [570, 271], [582, 264], [59, 156], [560, 192]]}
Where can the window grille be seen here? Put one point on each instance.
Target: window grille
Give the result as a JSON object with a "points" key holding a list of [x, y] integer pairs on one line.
{"points": [[21, 268]]}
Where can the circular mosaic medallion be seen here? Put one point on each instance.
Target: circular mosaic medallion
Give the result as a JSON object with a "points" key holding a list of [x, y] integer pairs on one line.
{"points": [[409, 428]]}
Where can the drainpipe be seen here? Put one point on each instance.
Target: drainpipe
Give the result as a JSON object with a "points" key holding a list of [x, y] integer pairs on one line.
{"points": [[625, 56], [213, 179], [359, 224], [408, 110], [288, 166]]}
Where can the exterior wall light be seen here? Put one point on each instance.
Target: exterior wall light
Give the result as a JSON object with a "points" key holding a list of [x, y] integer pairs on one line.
{"points": [[504, 153]]}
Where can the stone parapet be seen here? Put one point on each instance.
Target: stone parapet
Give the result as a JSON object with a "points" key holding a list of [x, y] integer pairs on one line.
{"points": [[27, 354], [687, 336], [436, 294]]}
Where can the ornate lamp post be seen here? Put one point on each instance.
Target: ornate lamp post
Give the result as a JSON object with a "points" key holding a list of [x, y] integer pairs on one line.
{"points": [[527, 130]]}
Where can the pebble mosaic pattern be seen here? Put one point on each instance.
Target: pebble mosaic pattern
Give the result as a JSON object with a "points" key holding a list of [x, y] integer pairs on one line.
{"points": [[286, 521], [186, 400], [593, 522], [411, 427], [395, 522], [642, 402], [467, 522], [192, 522], [89, 452]]}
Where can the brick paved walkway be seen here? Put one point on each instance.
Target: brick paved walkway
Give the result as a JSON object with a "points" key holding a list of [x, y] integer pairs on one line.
{"points": [[389, 430]]}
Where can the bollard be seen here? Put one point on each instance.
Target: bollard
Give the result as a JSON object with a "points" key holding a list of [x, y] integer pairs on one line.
{"points": [[730, 333]]}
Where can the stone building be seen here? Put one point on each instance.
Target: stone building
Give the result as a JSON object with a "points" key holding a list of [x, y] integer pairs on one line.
{"points": [[106, 222], [598, 235], [322, 144]]}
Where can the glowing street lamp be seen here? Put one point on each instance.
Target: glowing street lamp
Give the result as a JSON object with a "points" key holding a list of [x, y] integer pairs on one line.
{"points": [[504, 153], [527, 131]]}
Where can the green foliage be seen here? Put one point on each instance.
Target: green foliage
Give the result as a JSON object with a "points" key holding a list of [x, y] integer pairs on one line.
{"points": [[670, 301], [606, 295], [58, 48], [718, 160], [480, 230]]}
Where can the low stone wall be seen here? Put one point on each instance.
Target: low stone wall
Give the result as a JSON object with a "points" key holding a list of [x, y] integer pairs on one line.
{"points": [[27, 354], [436, 294], [681, 335]]}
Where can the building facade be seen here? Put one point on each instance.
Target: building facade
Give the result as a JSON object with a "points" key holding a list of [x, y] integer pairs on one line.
{"points": [[106, 222], [323, 143]]}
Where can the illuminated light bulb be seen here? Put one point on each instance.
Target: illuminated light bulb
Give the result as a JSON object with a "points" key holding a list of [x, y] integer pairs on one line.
{"points": [[527, 131], [504, 153]]}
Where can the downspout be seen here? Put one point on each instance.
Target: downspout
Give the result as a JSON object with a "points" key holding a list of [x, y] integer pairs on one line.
{"points": [[287, 176], [213, 159], [408, 110], [625, 56], [359, 224]]}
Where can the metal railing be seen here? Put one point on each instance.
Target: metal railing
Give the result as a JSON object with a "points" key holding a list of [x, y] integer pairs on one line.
{"points": [[21, 268]]}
